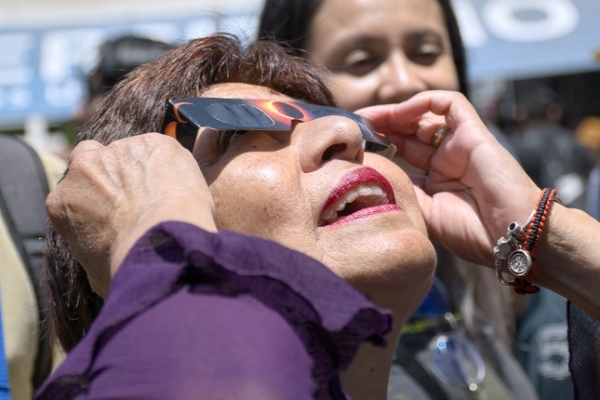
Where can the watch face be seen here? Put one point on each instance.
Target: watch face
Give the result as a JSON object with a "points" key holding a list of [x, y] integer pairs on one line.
{"points": [[519, 263]]}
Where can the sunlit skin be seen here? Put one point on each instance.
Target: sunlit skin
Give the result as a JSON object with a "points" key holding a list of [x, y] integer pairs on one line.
{"points": [[382, 51], [276, 185]]}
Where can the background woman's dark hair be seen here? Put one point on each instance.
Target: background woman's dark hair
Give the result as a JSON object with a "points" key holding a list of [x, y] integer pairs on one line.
{"points": [[288, 22], [135, 106], [120, 55]]}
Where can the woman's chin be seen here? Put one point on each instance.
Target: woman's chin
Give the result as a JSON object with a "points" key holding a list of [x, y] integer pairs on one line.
{"points": [[400, 268]]}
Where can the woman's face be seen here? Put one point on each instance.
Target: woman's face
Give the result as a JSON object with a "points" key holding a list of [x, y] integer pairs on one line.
{"points": [[382, 51], [286, 186]]}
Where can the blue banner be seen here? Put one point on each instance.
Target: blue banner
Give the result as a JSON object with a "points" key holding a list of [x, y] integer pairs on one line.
{"points": [[518, 39], [42, 69]]}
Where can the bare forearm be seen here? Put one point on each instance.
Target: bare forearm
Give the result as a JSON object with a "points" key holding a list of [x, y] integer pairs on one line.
{"points": [[568, 258]]}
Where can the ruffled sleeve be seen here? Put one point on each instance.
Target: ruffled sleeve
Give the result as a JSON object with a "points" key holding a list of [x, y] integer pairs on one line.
{"points": [[192, 314]]}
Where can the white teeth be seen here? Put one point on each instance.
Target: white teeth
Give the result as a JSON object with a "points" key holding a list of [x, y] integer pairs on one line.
{"points": [[377, 195], [378, 191], [341, 205], [330, 216], [365, 191]]}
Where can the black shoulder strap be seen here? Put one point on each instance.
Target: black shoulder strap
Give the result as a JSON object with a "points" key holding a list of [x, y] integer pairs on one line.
{"points": [[23, 191]]}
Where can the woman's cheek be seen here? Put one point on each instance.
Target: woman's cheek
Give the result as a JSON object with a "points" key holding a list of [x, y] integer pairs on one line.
{"points": [[353, 93], [251, 198]]}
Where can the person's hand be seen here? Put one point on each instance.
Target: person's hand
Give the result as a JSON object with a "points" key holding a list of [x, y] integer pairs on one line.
{"points": [[111, 195], [474, 188]]}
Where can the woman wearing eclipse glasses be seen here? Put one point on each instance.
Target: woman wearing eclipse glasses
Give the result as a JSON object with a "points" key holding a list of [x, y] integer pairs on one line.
{"points": [[219, 261]]}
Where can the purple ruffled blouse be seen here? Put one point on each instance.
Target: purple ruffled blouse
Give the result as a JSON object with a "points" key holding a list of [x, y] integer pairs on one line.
{"points": [[199, 315]]}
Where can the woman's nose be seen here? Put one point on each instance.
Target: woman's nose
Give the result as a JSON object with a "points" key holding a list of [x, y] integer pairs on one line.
{"points": [[325, 139], [399, 79]]}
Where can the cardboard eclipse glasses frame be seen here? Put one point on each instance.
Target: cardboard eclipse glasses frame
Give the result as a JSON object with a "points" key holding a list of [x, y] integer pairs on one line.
{"points": [[185, 116]]}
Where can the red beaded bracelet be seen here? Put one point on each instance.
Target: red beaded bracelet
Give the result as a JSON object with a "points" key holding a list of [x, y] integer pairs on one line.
{"points": [[518, 247]]}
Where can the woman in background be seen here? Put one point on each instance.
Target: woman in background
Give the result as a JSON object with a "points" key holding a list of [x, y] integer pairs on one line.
{"points": [[386, 51]]}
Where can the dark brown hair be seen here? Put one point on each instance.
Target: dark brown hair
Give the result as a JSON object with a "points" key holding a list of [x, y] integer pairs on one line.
{"points": [[136, 106]]}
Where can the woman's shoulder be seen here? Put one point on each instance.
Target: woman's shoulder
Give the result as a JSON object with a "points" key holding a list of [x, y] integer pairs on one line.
{"points": [[240, 295]]}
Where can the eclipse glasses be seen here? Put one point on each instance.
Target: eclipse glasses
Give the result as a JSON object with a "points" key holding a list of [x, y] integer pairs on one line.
{"points": [[185, 116]]}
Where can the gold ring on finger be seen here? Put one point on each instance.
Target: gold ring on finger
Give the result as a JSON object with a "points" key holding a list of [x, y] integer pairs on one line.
{"points": [[439, 134]]}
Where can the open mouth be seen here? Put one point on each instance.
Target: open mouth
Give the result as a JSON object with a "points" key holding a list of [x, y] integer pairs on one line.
{"points": [[360, 193], [356, 199]]}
